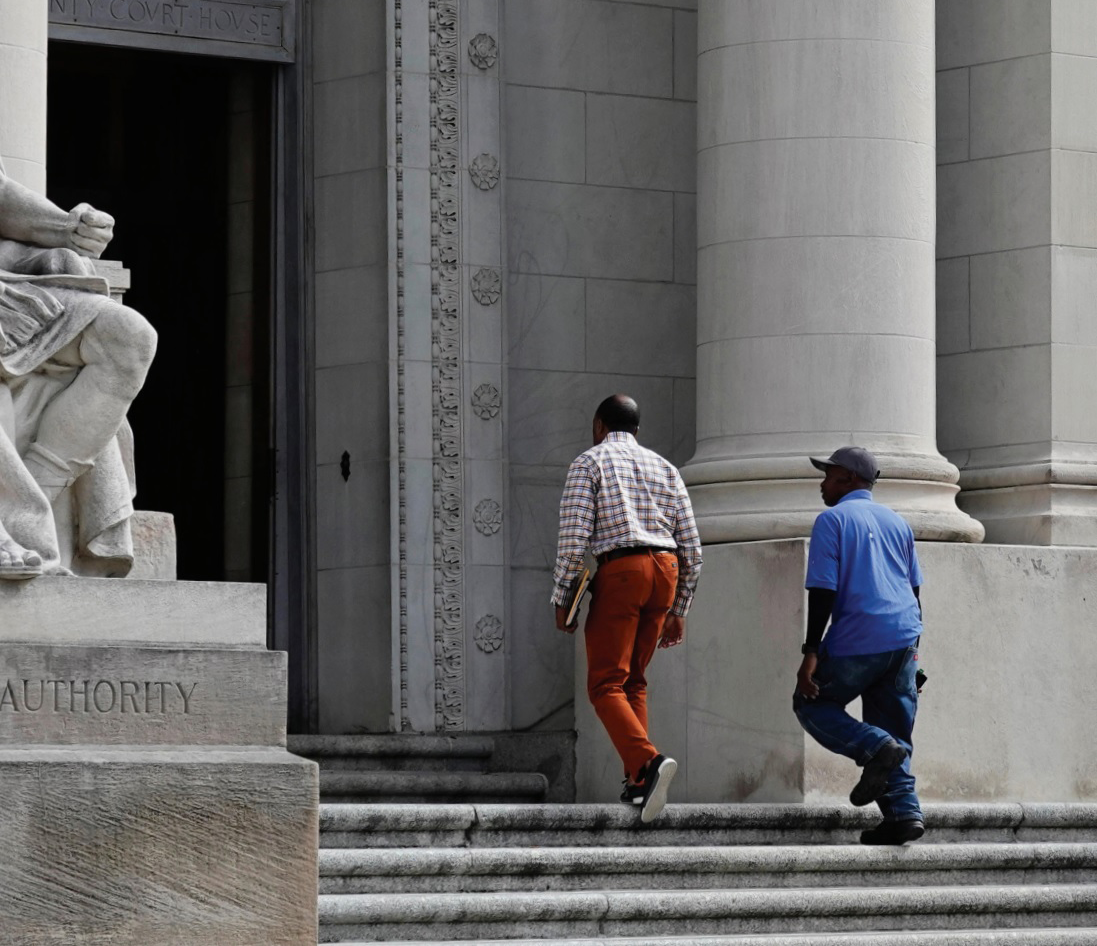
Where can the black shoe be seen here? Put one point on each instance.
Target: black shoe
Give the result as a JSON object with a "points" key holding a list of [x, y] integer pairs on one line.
{"points": [[894, 832], [874, 778], [632, 794], [657, 777]]}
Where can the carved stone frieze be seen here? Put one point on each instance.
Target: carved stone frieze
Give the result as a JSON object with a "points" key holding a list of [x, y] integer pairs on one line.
{"points": [[489, 634], [487, 285], [483, 51], [404, 721], [487, 517], [449, 590], [484, 171], [486, 401]]}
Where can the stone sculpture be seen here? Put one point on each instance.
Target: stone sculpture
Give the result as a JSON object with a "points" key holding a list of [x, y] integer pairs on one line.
{"points": [[71, 362]]}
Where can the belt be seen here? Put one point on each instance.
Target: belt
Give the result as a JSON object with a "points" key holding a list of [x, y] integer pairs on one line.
{"points": [[630, 550]]}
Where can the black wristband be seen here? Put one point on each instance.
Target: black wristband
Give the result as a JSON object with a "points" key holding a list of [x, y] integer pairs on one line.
{"points": [[809, 648]]}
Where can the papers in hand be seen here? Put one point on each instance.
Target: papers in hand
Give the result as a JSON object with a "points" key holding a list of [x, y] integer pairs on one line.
{"points": [[575, 596]]}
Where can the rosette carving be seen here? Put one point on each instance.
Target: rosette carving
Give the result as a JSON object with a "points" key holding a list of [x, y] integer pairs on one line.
{"points": [[483, 51], [486, 401], [484, 171], [487, 285], [487, 517], [489, 633]]}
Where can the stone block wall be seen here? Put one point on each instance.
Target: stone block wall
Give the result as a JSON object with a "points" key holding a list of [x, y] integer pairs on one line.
{"points": [[1017, 263], [600, 158], [1002, 622], [351, 355], [587, 107], [993, 254]]}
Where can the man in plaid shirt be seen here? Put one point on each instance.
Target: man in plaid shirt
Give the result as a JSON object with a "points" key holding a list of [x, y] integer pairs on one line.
{"points": [[630, 507]]}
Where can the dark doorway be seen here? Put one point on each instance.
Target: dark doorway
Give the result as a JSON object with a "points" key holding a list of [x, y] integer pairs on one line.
{"points": [[178, 149]]}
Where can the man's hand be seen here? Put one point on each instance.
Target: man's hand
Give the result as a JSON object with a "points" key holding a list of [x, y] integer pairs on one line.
{"points": [[674, 631], [805, 677], [561, 617], [91, 230]]}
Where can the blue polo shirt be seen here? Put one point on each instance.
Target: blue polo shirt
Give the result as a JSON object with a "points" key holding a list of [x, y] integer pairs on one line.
{"points": [[865, 552]]}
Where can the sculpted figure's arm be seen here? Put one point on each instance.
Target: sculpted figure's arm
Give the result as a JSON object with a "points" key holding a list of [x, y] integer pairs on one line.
{"points": [[28, 218]]}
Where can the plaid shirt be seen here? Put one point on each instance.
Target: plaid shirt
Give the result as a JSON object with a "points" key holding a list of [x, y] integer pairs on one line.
{"points": [[619, 494]]}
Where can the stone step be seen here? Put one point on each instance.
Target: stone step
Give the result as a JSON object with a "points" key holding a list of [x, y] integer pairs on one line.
{"points": [[465, 916], [477, 870], [493, 826], [364, 786], [396, 752], [1001, 937]]}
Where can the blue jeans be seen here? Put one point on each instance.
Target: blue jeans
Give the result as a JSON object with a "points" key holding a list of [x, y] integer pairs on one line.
{"points": [[889, 701]]}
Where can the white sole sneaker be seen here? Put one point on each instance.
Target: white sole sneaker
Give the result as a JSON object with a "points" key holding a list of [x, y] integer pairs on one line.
{"points": [[656, 796]]}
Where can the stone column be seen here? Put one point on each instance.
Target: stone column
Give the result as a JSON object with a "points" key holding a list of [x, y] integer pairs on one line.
{"points": [[816, 229], [23, 28], [1017, 267]]}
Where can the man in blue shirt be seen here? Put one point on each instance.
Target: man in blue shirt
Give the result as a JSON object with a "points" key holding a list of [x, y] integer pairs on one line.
{"points": [[863, 577]]}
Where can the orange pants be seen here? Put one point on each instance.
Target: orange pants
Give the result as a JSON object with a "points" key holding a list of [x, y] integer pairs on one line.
{"points": [[630, 600]]}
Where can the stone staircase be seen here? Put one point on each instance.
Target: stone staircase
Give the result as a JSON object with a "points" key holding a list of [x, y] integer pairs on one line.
{"points": [[412, 768], [751, 875]]}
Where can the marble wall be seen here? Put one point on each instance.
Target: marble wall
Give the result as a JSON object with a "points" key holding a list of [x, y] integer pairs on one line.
{"points": [[350, 229], [600, 131]]}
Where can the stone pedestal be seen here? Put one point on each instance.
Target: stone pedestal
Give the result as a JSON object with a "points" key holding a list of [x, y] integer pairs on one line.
{"points": [[154, 545], [815, 281], [149, 797], [1008, 647]]}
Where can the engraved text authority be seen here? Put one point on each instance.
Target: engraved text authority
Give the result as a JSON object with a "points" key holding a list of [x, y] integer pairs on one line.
{"points": [[162, 697]]}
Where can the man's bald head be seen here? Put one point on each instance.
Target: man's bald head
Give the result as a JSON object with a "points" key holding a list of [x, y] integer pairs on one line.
{"points": [[619, 412]]}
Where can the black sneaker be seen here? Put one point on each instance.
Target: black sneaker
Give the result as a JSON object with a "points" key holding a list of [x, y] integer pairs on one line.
{"points": [[874, 778], [657, 777], [632, 794], [894, 832]]}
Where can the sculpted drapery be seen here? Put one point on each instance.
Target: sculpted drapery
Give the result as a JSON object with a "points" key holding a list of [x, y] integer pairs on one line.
{"points": [[71, 362]]}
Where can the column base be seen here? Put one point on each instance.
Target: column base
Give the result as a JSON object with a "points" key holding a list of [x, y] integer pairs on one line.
{"points": [[1040, 494], [1044, 514], [778, 498]]}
